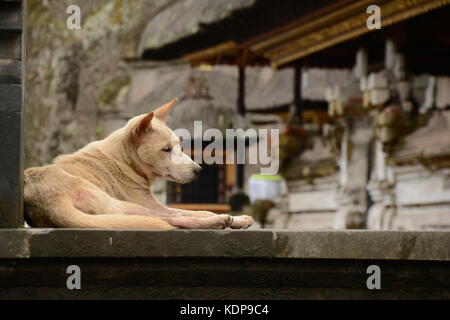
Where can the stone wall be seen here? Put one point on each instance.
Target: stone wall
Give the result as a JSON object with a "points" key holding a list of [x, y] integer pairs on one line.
{"points": [[422, 199]]}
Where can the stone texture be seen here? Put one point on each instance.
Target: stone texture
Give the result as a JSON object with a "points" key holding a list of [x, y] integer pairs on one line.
{"points": [[372, 245], [11, 46], [11, 16], [10, 71], [314, 200], [14, 243], [309, 220], [11, 98], [432, 138], [11, 186], [422, 199]]}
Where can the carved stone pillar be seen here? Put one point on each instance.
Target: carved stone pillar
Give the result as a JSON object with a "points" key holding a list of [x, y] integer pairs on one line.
{"points": [[353, 163], [381, 190]]}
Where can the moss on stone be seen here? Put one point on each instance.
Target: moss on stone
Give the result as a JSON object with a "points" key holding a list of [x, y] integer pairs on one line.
{"points": [[99, 130], [116, 14], [110, 89]]}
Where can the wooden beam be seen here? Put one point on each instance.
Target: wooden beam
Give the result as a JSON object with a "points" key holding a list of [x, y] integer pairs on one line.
{"points": [[298, 92], [241, 110], [345, 23], [241, 90], [212, 53]]}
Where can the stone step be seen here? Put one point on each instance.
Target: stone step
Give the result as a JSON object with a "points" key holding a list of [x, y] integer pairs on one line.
{"points": [[10, 71], [10, 16]]}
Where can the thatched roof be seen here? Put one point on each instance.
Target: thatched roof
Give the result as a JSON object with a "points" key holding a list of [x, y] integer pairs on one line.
{"points": [[162, 85], [212, 116], [266, 88]]}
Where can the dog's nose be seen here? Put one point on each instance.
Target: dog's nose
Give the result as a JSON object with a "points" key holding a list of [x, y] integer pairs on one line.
{"points": [[198, 170]]}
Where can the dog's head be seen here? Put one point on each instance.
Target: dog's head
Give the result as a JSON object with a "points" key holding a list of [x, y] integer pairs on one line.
{"points": [[158, 148]]}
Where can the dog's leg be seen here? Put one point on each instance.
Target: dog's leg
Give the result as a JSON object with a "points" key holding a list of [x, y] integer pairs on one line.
{"points": [[64, 214], [236, 222], [194, 219], [218, 221], [193, 213], [97, 202], [148, 200], [210, 221]]}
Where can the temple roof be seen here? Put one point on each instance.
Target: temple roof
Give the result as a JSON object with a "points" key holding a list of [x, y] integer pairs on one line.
{"points": [[280, 33], [212, 116], [191, 25], [266, 89]]}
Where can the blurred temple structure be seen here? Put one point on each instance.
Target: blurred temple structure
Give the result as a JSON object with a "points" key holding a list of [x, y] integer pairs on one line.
{"points": [[363, 114]]}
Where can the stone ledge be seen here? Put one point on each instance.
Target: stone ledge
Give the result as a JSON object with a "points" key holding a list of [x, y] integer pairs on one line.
{"points": [[225, 264], [363, 245]]}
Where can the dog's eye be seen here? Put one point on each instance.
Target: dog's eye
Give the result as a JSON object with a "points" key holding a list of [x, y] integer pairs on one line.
{"points": [[168, 149]]}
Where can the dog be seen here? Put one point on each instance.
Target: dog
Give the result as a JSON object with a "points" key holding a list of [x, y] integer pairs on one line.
{"points": [[106, 184]]}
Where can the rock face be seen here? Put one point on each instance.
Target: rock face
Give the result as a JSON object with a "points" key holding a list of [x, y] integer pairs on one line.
{"points": [[74, 77], [186, 18]]}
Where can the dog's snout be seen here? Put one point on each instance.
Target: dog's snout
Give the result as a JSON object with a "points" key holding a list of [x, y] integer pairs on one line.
{"points": [[198, 170]]}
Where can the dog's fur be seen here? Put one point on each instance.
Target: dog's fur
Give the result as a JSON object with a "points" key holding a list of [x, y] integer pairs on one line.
{"points": [[106, 183]]}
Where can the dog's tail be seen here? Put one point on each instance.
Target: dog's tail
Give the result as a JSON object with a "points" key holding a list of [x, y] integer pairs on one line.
{"points": [[67, 216]]}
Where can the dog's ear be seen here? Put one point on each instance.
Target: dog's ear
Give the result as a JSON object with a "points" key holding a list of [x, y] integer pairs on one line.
{"points": [[162, 112], [145, 124]]}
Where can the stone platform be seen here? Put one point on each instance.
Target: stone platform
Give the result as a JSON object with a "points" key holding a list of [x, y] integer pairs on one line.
{"points": [[224, 264]]}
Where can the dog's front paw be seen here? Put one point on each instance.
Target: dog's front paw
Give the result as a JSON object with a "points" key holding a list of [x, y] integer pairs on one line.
{"points": [[218, 221], [241, 222]]}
